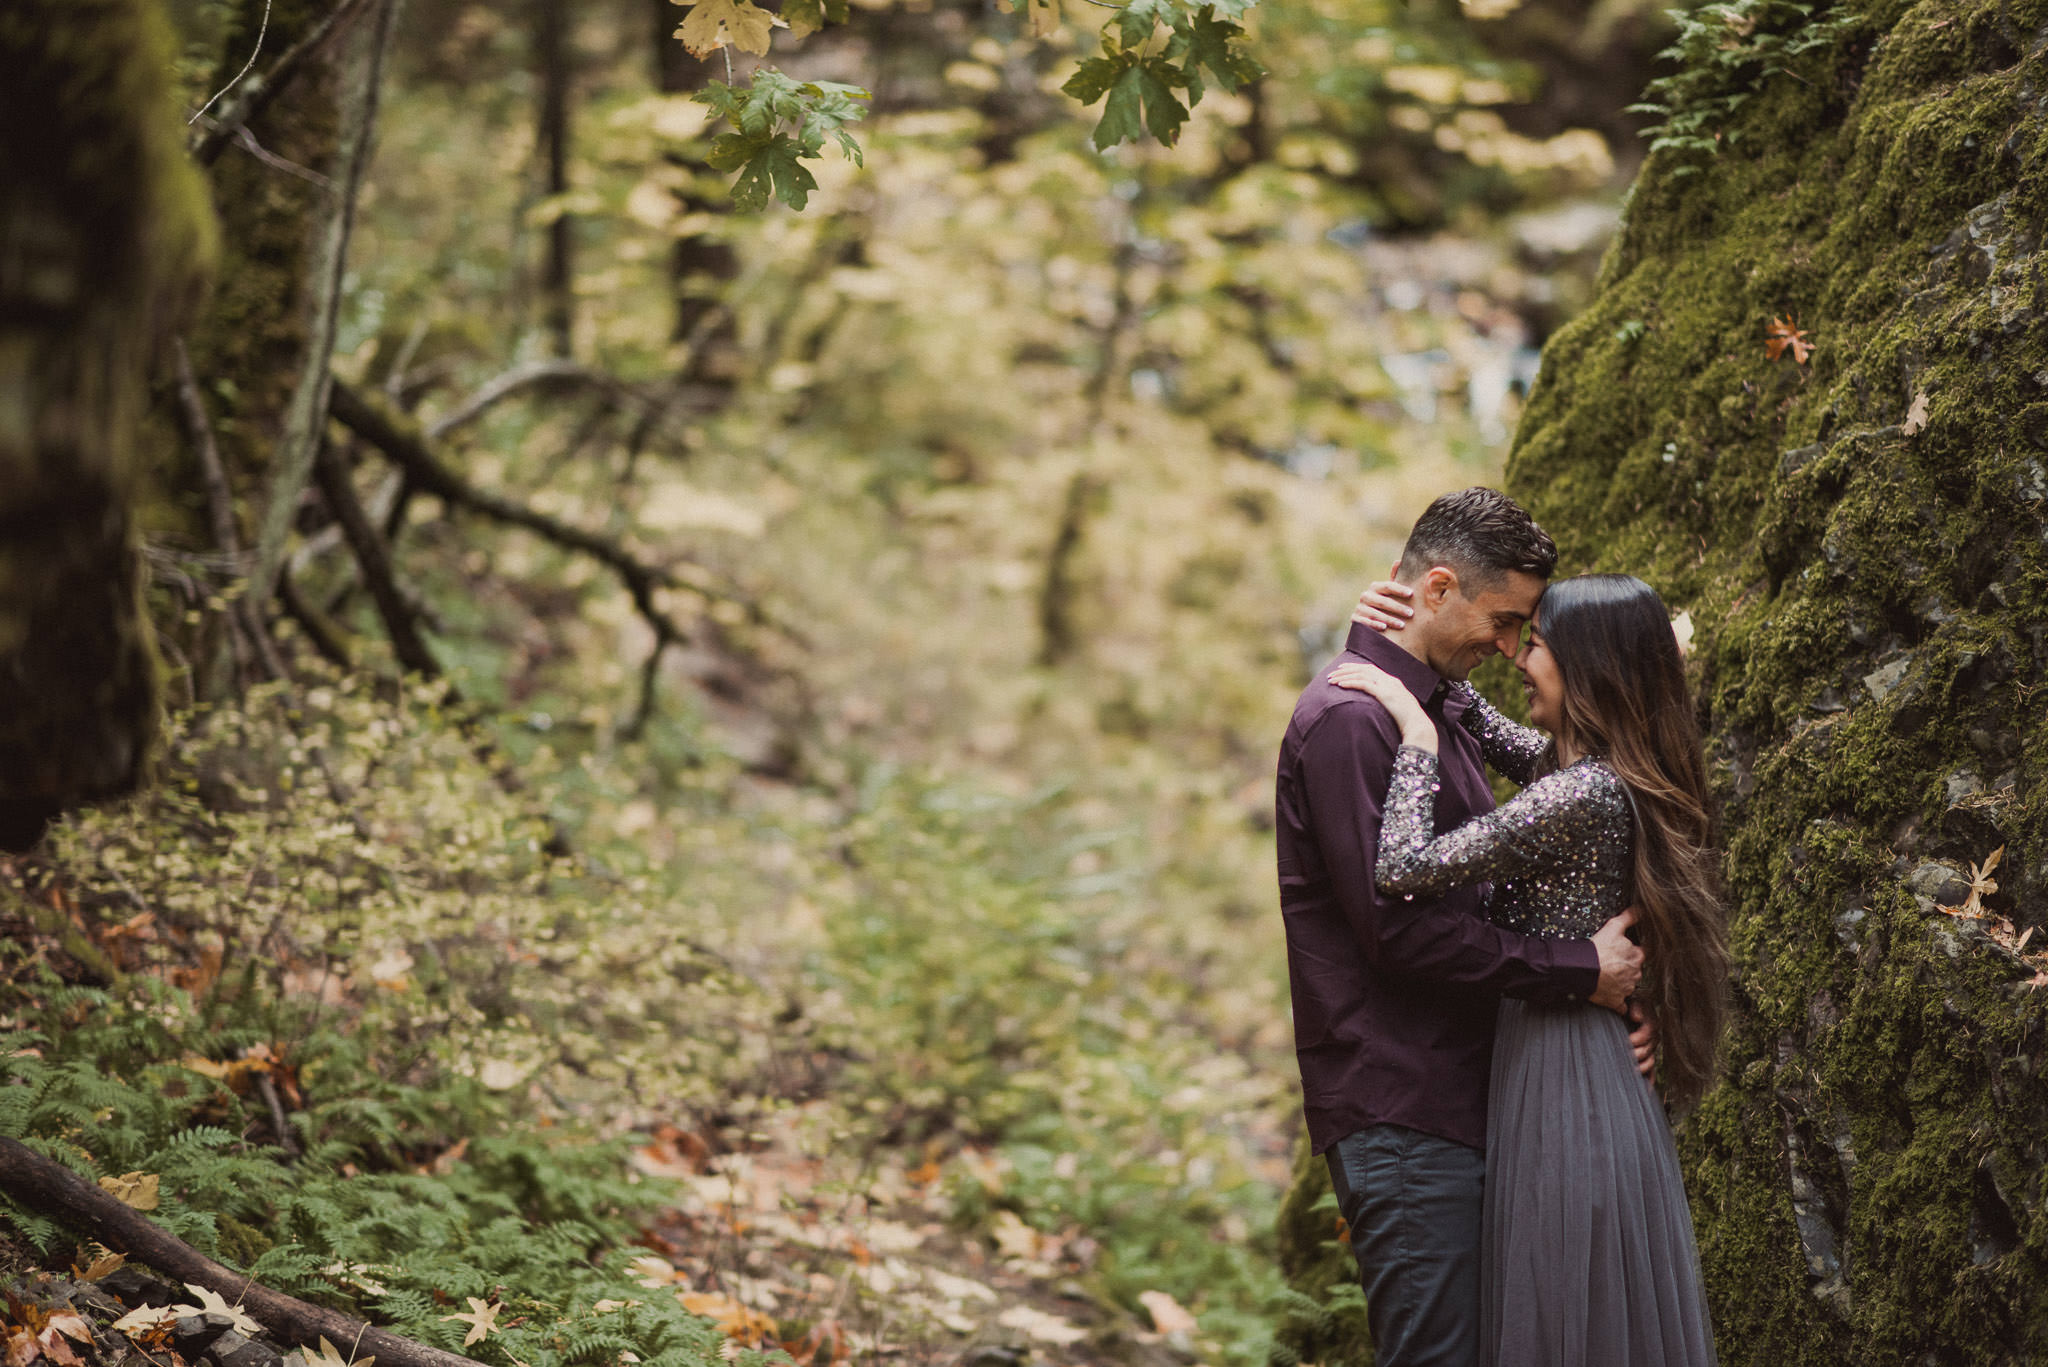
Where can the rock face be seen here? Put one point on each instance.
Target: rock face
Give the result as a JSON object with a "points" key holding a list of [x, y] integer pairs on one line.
{"points": [[1862, 542]]}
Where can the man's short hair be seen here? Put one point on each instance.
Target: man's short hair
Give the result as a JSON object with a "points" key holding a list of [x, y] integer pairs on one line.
{"points": [[1483, 535]]}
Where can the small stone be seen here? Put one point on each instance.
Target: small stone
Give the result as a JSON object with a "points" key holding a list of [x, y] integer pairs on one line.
{"points": [[87, 1296], [234, 1349], [135, 1288], [1884, 680], [193, 1334]]}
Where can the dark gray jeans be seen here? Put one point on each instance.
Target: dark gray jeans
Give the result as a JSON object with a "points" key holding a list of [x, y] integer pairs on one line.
{"points": [[1413, 1204]]}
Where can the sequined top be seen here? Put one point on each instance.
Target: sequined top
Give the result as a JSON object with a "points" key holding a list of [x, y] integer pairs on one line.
{"points": [[1558, 853]]}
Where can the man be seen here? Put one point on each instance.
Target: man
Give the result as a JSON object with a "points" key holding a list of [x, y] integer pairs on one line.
{"points": [[1394, 997]]}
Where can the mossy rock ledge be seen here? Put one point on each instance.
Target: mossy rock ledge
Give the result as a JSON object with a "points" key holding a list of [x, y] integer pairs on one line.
{"points": [[1860, 542]]}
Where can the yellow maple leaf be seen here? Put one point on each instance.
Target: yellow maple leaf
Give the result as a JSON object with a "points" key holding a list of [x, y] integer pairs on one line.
{"points": [[482, 1320], [712, 24]]}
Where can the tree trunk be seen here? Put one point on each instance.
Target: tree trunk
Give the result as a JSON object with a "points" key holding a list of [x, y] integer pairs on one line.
{"points": [[104, 238], [701, 265], [1862, 542], [553, 64]]}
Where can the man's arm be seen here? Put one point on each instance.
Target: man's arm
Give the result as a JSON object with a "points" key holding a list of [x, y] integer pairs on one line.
{"points": [[1346, 766]]}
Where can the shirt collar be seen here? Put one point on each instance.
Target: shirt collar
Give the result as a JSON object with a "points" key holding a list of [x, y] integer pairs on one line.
{"points": [[1430, 688]]}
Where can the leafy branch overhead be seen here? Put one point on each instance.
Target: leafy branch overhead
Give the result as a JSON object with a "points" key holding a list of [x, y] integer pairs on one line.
{"points": [[1146, 83], [1140, 85]]}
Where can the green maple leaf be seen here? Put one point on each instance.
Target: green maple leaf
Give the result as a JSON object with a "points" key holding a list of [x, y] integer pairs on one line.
{"points": [[776, 165], [1121, 112], [1206, 41], [1164, 113], [1092, 80], [1137, 20]]}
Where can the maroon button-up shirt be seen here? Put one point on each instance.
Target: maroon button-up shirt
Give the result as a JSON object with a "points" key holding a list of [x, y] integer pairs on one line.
{"points": [[1394, 996]]}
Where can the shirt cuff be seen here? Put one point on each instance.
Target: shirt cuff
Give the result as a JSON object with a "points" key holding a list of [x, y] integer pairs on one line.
{"points": [[1580, 963]]}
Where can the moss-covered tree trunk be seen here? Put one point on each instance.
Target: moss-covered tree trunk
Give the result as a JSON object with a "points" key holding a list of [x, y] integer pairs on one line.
{"points": [[104, 236], [1862, 541]]}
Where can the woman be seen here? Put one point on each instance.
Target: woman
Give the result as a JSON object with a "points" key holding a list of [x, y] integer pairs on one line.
{"points": [[1587, 1258]]}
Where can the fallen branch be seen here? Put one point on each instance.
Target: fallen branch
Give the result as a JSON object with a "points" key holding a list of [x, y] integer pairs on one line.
{"points": [[401, 622], [49, 1188], [527, 376], [406, 446]]}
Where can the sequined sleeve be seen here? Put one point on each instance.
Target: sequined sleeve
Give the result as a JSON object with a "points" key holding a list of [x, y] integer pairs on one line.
{"points": [[1551, 823], [1509, 746]]}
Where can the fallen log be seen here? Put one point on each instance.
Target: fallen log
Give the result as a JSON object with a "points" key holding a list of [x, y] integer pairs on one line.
{"points": [[49, 1188]]}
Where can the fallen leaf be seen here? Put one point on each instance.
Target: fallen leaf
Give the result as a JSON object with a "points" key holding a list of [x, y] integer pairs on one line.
{"points": [[1681, 627], [652, 1271], [327, 1355], [1169, 1316], [103, 1262], [1916, 416], [135, 1190], [959, 1288], [1783, 334], [482, 1320], [1015, 1238], [71, 1325], [734, 1320], [1041, 1326], [1982, 884], [146, 1322], [356, 1275], [215, 1303], [22, 1348], [57, 1350]]}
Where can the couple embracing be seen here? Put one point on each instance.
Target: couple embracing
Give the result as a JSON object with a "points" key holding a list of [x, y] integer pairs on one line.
{"points": [[1469, 1007]]}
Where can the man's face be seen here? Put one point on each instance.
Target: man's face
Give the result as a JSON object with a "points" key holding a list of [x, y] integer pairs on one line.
{"points": [[1489, 622]]}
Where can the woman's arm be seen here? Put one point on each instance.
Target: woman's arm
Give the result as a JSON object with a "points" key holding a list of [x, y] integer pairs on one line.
{"points": [[1538, 825], [1514, 749]]}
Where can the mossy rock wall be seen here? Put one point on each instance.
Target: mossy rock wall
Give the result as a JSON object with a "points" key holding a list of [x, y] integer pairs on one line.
{"points": [[1860, 541]]}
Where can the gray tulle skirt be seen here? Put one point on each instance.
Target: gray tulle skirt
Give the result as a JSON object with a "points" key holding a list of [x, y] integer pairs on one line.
{"points": [[1587, 1256]]}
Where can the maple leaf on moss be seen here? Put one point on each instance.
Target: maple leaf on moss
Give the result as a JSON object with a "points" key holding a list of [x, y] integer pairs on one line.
{"points": [[1785, 334]]}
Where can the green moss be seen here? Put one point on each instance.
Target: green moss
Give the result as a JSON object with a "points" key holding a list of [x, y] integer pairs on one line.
{"points": [[1870, 605]]}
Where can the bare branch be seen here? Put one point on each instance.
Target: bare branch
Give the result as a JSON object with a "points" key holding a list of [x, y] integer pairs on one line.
{"points": [[402, 442], [325, 636], [527, 376], [245, 617], [401, 622], [213, 476]]}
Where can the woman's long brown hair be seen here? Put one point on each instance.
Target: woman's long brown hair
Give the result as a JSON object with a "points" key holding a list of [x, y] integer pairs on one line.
{"points": [[1625, 700]]}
